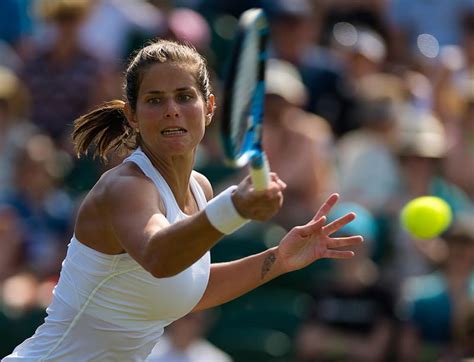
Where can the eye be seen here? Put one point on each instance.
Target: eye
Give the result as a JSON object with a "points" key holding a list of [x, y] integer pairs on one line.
{"points": [[184, 97], [153, 100]]}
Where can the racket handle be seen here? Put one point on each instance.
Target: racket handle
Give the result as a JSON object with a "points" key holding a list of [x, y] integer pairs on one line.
{"points": [[260, 171]]}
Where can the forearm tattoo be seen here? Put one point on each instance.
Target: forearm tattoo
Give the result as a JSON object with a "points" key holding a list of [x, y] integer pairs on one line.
{"points": [[267, 264]]}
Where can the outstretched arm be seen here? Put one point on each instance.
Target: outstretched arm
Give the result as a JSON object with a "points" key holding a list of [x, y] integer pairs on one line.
{"points": [[299, 248], [137, 221], [233, 279]]}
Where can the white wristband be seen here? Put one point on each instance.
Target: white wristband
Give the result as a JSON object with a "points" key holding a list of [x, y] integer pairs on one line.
{"points": [[222, 214]]}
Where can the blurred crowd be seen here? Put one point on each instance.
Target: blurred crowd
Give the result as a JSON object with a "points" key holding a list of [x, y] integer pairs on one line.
{"points": [[373, 99]]}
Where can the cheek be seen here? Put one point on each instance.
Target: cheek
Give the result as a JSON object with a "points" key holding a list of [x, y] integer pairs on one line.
{"points": [[196, 113], [147, 112]]}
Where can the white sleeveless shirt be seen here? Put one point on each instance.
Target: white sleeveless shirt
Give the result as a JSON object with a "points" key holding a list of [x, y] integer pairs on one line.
{"points": [[107, 307]]}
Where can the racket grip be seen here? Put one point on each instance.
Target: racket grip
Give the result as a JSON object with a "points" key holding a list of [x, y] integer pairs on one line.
{"points": [[260, 171]]}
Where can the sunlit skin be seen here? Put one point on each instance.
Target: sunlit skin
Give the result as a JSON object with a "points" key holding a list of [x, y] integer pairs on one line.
{"points": [[306, 243], [161, 229], [168, 99]]}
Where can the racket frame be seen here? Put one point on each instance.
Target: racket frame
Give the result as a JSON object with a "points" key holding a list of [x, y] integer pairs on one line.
{"points": [[250, 150]]}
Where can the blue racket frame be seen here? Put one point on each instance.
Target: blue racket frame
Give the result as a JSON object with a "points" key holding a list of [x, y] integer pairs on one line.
{"points": [[249, 149]]}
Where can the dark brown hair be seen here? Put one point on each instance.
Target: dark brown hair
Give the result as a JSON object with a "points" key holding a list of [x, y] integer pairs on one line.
{"points": [[106, 126]]}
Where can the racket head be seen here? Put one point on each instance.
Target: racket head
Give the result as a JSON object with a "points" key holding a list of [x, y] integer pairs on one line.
{"points": [[244, 90]]}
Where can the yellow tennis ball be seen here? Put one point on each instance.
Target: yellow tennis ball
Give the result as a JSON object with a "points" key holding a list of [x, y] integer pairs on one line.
{"points": [[426, 217]]}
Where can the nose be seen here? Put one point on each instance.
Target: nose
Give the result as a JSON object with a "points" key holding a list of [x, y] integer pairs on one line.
{"points": [[171, 110]]}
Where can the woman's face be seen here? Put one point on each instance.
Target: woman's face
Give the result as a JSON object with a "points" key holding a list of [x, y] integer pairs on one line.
{"points": [[171, 114]]}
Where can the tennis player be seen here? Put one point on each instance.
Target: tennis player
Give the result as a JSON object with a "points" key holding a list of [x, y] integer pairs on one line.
{"points": [[139, 256]]}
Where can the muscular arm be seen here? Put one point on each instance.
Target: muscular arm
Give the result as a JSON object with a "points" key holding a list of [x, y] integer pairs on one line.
{"points": [[139, 225], [232, 279], [134, 214], [300, 247]]}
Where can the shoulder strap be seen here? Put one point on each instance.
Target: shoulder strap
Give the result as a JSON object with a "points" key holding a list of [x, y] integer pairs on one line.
{"points": [[142, 161], [172, 209], [198, 192]]}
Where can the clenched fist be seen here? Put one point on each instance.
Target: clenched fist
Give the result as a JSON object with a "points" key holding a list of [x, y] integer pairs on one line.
{"points": [[259, 205]]}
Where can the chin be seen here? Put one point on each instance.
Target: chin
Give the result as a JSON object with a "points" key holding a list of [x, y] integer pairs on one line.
{"points": [[180, 149]]}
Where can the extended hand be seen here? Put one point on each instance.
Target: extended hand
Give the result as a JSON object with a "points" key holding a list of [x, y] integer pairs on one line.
{"points": [[306, 243]]}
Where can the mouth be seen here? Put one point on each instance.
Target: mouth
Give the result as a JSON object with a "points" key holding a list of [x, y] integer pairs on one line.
{"points": [[174, 131]]}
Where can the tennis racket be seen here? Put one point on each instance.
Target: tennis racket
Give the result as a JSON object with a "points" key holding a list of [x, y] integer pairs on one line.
{"points": [[243, 98]]}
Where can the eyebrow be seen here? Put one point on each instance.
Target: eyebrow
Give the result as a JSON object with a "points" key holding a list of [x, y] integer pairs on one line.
{"points": [[176, 90]]}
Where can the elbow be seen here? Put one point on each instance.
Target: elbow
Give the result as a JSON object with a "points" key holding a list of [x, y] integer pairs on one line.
{"points": [[159, 268], [160, 272]]}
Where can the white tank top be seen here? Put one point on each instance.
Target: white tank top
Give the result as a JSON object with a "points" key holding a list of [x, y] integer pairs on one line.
{"points": [[107, 307]]}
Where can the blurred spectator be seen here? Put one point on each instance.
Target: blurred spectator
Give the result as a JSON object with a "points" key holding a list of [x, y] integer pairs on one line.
{"points": [[184, 341], [353, 313], [368, 168], [455, 103], [369, 14], [420, 28], [422, 145], [420, 89], [189, 26], [14, 127], [440, 305], [298, 144], [294, 33], [390, 149], [234, 8], [363, 50], [459, 162], [10, 21], [467, 42], [12, 242], [45, 210], [106, 31], [20, 314], [45, 291], [181, 24], [16, 25], [455, 80], [9, 57], [63, 79]]}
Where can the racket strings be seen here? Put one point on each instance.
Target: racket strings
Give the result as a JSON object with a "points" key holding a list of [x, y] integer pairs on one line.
{"points": [[244, 86]]}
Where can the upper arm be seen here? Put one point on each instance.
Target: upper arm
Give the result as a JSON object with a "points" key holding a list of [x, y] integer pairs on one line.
{"points": [[205, 185], [132, 206]]}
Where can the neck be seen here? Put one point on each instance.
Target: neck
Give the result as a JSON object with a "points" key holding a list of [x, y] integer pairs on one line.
{"points": [[176, 170]]}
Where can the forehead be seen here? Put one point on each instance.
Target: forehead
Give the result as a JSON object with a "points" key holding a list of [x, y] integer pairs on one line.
{"points": [[167, 77]]}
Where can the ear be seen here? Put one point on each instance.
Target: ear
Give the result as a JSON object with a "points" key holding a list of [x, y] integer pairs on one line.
{"points": [[210, 109], [130, 114]]}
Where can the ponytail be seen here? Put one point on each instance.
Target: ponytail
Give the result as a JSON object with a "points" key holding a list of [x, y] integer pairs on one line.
{"points": [[106, 127]]}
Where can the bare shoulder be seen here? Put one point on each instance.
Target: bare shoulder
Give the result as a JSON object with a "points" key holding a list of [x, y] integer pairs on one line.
{"points": [[118, 209], [205, 185], [126, 183], [110, 202]]}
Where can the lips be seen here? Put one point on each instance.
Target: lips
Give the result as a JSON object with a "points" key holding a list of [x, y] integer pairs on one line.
{"points": [[173, 131]]}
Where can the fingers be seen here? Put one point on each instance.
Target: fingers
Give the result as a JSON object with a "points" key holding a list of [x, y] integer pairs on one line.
{"points": [[312, 227], [275, 185], [338, 254], [316, 225], [327, 206], [345, 241], [275, 178], [260, 205], [338, 223]]}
